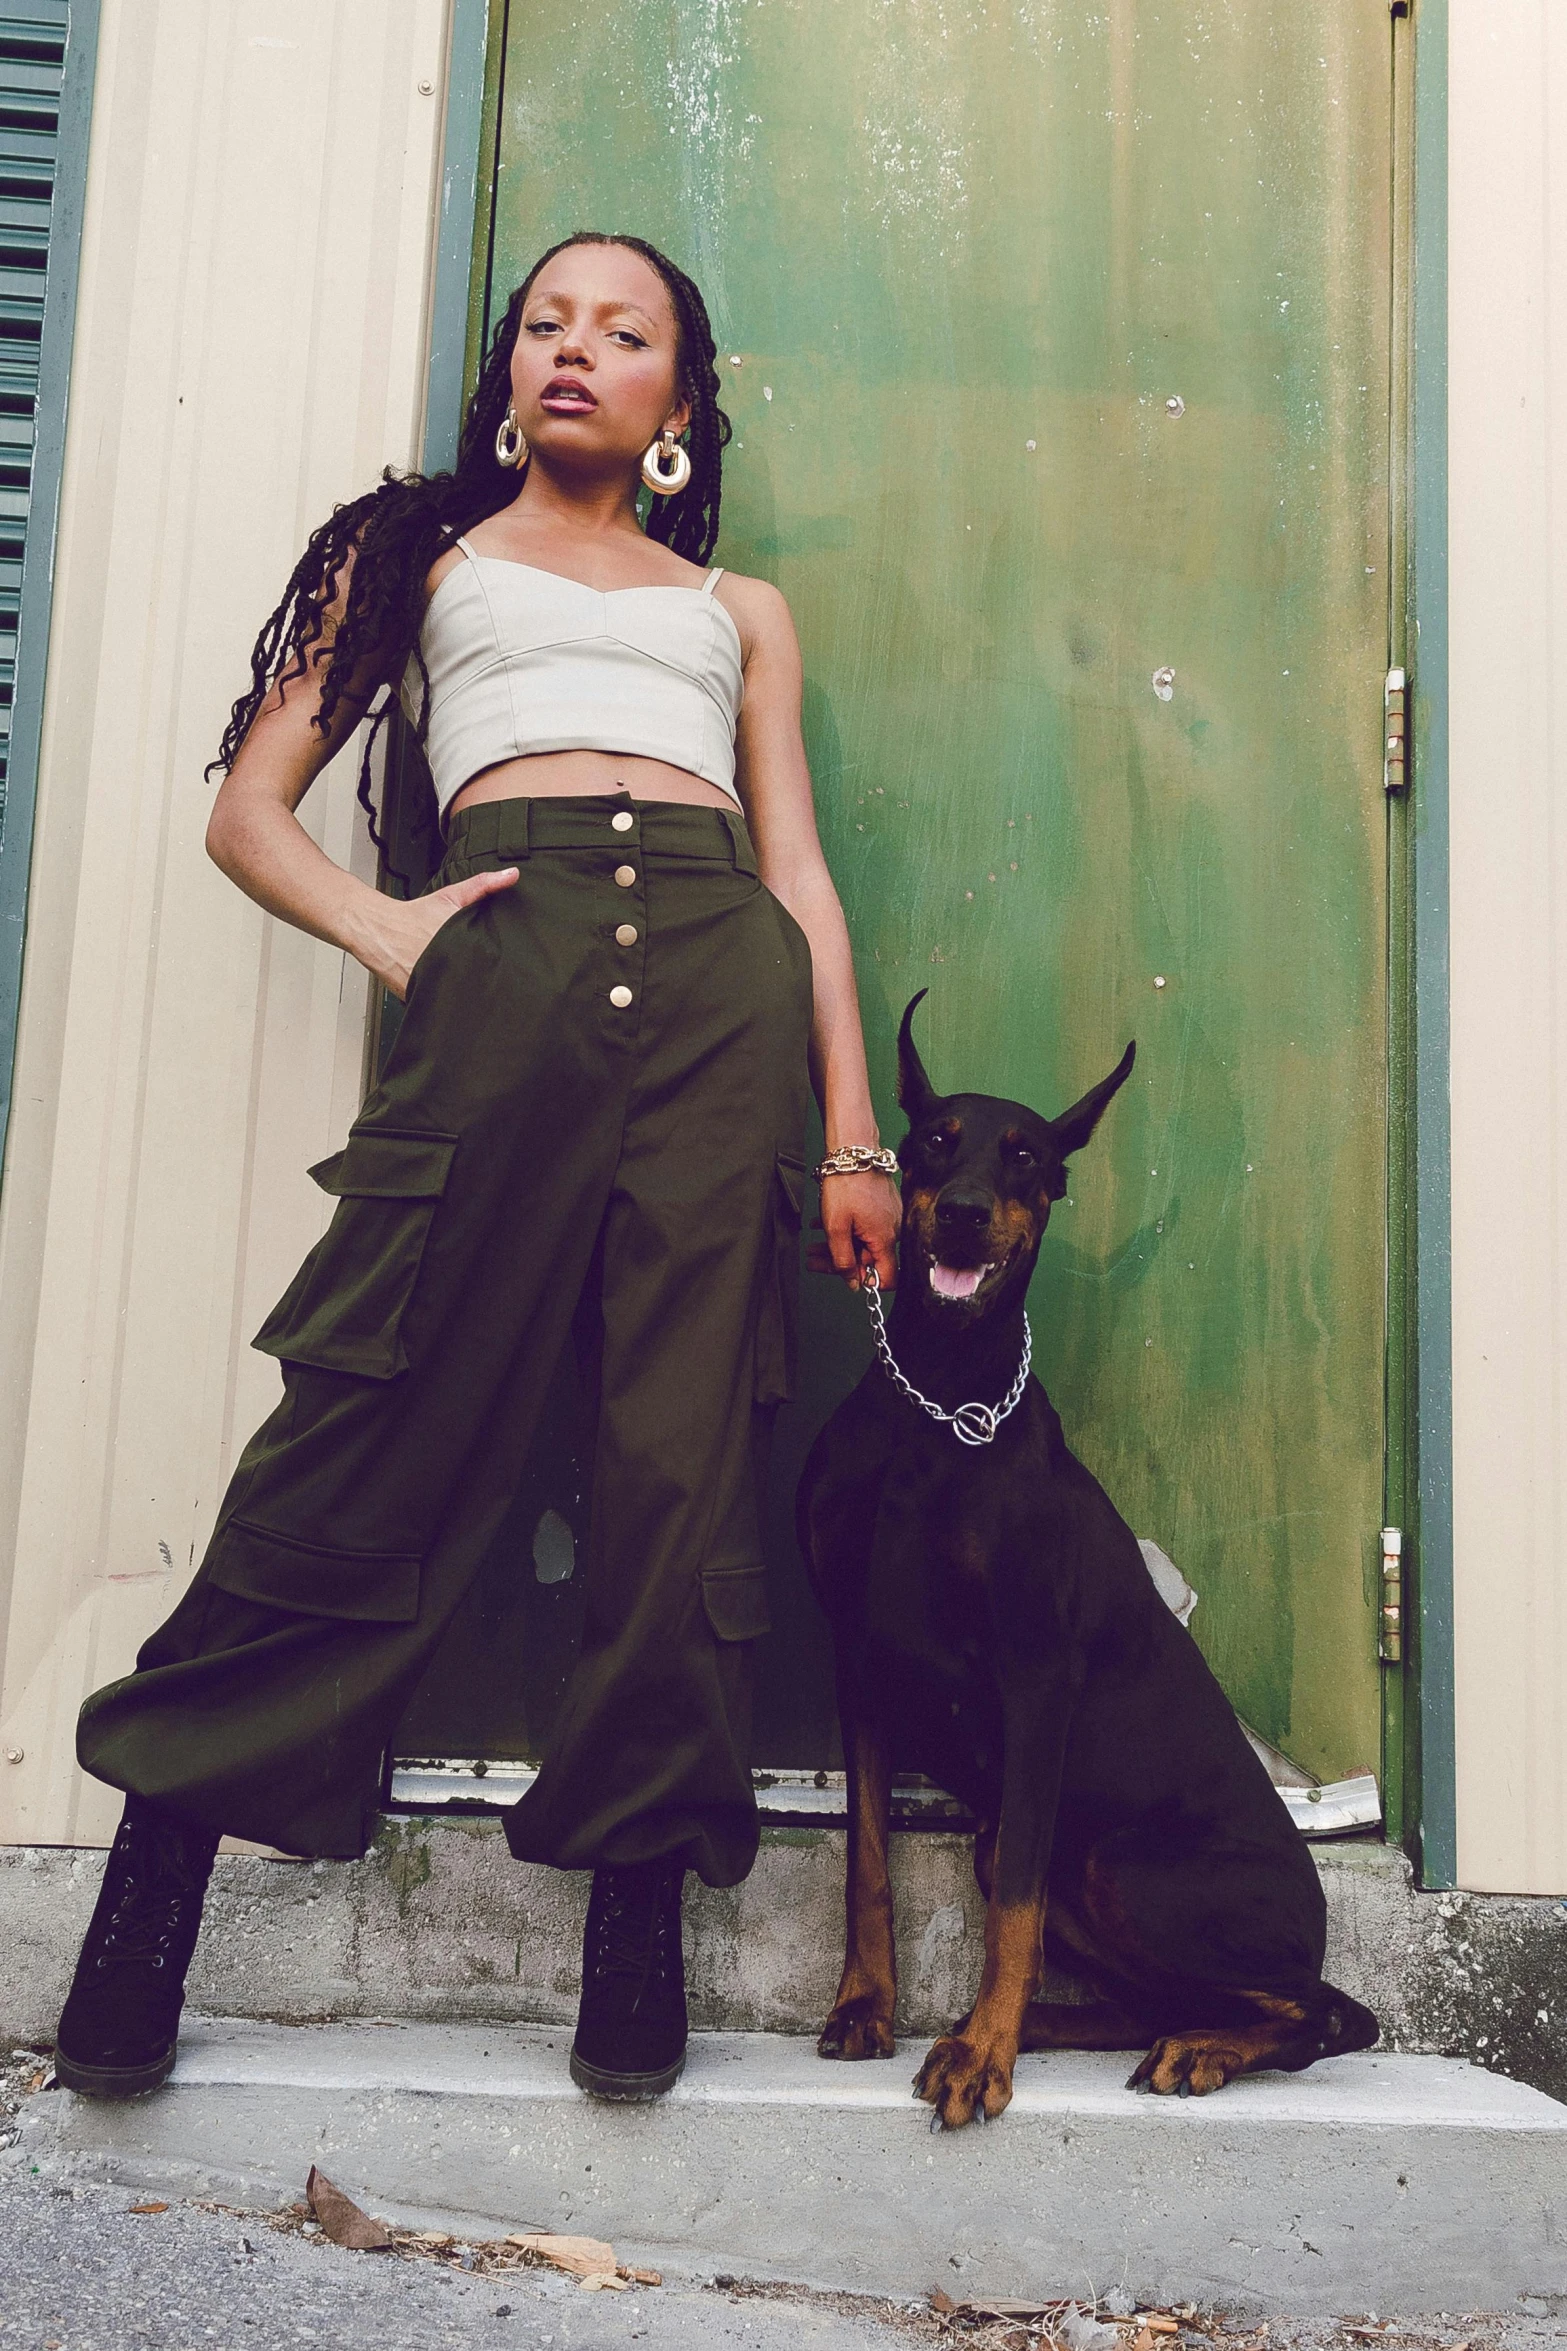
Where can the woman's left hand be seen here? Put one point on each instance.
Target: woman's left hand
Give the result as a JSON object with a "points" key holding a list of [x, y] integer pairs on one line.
{"points": [[860, 1218]]}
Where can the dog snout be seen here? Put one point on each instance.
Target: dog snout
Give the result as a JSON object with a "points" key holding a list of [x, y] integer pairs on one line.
{"points": [[963, 1215]]}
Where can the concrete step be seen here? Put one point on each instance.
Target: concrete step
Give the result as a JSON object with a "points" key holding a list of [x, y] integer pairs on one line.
{"points": [[1377, 2182]]}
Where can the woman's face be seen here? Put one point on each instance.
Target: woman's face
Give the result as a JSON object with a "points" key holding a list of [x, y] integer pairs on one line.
{"points": [[595, 373]]}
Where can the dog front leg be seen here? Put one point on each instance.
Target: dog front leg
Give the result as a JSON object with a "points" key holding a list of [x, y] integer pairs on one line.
{"points": [[967, 2076], [861, 2021]]}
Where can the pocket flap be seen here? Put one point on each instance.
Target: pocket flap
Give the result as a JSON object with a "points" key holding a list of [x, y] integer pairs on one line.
{"points": [[382, 1163], [308, 1579], [736, 1602]]}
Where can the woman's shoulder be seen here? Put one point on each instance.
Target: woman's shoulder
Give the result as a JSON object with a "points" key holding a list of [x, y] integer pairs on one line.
{"points": [[448, 560], [759, 610]]}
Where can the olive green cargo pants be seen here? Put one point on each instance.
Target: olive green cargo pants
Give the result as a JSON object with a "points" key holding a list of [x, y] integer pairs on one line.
{"points": [[597, 1096]]}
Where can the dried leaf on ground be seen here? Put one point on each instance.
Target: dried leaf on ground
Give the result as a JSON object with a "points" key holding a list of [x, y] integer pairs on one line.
{"points": [[655, 2277], [603, 2281], [340, 2218], [581, 2257], [941, 2303], [148, 2208]]}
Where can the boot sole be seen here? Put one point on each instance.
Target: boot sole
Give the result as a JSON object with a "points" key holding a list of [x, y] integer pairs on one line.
{"points": [[113, 2081], [625, 2089]]}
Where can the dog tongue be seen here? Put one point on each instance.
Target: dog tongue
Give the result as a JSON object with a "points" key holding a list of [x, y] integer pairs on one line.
{"points": [[957, 1281]]}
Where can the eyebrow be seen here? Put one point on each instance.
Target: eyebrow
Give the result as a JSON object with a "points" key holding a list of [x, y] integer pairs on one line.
{"points": [[604, 309]]}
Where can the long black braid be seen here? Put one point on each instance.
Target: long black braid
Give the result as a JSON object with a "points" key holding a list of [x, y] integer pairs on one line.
{"points": [[395, 532]]}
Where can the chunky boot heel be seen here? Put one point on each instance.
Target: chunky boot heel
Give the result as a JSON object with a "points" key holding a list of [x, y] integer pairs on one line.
{"points": [[631, 2027], [117, 2034]]}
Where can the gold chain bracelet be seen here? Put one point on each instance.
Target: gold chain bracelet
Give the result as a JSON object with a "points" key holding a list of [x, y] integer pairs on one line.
{"points": [[858, 1159]]}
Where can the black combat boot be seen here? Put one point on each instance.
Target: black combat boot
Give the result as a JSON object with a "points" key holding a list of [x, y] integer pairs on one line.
{"points": [[631, 2026], [117, 2034]]}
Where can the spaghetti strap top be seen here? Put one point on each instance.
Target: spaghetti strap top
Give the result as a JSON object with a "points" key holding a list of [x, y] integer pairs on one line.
{"points": [[522, 661]]}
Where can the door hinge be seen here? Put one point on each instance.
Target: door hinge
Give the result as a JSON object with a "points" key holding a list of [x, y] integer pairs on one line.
{"points": [[1390, 1645], [1395, 771]]}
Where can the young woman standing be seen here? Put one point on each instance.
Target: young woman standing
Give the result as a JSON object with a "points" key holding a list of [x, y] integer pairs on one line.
{"points": [[589, 1127]]}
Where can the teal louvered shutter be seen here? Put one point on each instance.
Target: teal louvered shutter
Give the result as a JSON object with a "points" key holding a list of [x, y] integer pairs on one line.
{"points": [[32, 62], [47, 52]]}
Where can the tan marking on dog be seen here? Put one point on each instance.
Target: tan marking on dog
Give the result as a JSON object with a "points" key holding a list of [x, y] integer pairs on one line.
{"points": [[1013, 1225], [1205, 2060], [919, 1216], [969, 2072], [861, 2022]]}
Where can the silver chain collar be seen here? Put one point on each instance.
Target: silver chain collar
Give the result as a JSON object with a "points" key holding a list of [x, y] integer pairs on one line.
{"points": [[974, 1424]]}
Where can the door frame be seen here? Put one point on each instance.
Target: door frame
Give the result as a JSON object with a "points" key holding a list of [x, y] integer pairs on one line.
{"points": [[1419, 1763], [1431, 1811]]}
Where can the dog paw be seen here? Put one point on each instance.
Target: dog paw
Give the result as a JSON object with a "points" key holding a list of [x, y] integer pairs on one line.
{"points": [[1187, 2065], [857, 2028], [963, 2082]]}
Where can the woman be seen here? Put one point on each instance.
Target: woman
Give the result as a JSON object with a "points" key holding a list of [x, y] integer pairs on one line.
{"points": [[589, 1125]]}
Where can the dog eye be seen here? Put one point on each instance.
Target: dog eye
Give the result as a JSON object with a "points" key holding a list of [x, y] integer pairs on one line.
{"points": [[1021, 1154]]}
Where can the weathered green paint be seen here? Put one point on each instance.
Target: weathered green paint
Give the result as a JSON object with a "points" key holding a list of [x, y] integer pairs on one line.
{"points": [[969, 254]]}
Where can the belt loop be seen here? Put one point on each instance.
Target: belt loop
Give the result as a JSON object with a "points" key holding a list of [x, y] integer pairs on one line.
{"points": [[739, 843]]}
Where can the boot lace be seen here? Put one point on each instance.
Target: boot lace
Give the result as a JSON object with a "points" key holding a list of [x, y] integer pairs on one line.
{"points": [[632, 1934], [157, 1885]]}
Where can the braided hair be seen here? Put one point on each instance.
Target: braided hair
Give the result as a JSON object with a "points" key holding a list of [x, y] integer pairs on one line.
{"points": [[389, 538]]}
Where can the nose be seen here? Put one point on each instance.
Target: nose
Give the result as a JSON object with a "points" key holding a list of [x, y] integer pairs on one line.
{"points": [[963, 1214]]}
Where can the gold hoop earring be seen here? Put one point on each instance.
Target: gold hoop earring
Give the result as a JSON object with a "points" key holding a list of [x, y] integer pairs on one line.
{"points": [[510, 447], [666, 467]]}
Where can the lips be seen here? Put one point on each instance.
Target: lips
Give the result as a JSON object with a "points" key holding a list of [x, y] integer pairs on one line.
{"points": [[565, 396], [957, 1281]]}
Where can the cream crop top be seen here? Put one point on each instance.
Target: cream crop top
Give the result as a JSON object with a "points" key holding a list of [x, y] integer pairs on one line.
{"points": [[522, 660]]}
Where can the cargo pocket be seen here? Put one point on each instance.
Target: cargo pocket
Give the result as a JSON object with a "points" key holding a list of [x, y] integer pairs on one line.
{"points": [[735, 1599], [343, 1311], [778, 1323], [308, 1579]]}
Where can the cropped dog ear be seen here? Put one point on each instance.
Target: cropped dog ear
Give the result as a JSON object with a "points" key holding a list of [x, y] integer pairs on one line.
{"points": [[915, 1091], [1073, 1128]]}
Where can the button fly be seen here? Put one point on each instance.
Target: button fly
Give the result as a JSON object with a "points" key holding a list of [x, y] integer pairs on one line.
{"points": [[623, 820], [626, 935], [625, 875], [620, 998]]}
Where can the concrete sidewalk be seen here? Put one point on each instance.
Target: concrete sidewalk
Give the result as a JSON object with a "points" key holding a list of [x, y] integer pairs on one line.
{"points": [[81, 2270], [1370, 2182]]}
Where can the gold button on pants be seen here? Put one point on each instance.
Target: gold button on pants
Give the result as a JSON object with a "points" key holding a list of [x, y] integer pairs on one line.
{"points": [[623, 820], [626, 935], [625, 875], [620, 997]]}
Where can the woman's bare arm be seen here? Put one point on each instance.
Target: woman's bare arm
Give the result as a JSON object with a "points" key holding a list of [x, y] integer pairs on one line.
{"points": [[256, 838], [860, 1213]]}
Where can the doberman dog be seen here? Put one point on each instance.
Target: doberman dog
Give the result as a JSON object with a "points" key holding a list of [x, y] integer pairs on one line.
{"points": [[997, 1629]]}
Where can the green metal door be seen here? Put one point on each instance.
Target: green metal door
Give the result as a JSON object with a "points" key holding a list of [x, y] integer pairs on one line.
{"points": [[1059, 378]]}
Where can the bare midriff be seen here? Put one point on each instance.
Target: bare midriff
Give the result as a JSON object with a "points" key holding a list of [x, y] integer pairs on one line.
{"points": [[561, 775]]}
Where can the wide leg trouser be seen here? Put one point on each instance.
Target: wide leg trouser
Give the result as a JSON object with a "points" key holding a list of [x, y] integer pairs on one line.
{"points": [[600, 1079]]}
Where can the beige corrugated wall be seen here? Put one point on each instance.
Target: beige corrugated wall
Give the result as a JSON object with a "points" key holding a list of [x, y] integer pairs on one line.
{"points": [[250, 348], [1508, 537]]}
